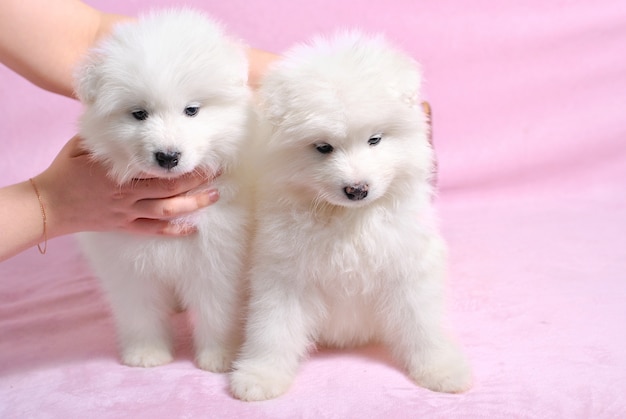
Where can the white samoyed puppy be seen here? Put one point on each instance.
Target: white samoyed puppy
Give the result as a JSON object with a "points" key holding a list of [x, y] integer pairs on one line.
{"points": [[347, 249], [165, 96]]}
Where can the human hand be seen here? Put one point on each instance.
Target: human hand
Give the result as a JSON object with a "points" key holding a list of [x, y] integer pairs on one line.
{"points": [[426, 108], [79, 196]]}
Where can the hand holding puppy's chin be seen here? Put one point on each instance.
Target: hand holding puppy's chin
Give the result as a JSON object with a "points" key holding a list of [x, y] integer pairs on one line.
{"points": [[204, 175]]}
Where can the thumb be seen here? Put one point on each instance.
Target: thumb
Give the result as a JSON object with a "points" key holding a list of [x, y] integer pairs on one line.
{"points": [[74, 147]]}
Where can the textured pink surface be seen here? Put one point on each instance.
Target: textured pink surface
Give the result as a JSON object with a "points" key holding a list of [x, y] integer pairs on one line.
{"points": [[530, 129]]}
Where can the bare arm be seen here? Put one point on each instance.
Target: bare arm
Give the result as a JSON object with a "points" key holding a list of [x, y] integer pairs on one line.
{"points": [[42, 40], [19, 213]]}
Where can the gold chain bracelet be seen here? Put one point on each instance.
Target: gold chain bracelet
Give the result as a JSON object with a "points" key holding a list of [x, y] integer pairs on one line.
{"points": [[45, 220]]}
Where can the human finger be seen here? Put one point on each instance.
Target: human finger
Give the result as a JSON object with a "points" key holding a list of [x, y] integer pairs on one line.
{"points": [[175, 206], [429, 119], [74, 147], [157, 188], [427, 109], [160, 228]]}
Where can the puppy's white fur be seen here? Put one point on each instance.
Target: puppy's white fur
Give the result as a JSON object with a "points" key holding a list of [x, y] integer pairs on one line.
{"points": [[173, 82], [333, 265]]}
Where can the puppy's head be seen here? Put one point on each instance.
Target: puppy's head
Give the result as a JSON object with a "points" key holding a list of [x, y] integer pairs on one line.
{"points": [[164, 96], [347, 125]]}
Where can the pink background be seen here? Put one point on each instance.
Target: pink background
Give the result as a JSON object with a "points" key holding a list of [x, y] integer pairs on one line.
{"points": [[529, 105]]}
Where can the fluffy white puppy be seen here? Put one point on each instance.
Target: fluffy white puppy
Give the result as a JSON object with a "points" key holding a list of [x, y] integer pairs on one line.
{"points": [[347, 249], [165, 96]]}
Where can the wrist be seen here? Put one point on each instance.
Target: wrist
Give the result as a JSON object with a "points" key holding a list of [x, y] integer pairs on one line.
{"points": [[20, 219], [44, 219], [56, 222]]}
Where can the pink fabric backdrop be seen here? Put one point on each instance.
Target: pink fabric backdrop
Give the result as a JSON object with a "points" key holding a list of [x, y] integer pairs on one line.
{"points": [[529, 105]]}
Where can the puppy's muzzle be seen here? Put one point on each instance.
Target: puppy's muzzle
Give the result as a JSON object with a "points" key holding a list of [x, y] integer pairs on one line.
{"points": [[357, 191], [167, 160]]}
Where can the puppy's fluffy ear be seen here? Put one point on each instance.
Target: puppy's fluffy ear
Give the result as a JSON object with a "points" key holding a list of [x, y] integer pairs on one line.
{"points": [[272, 108], [408, 85], [411, 95], [87, 77]]}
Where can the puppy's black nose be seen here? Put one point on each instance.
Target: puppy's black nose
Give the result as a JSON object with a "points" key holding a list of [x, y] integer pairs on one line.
{"points": [[356, 192], [167, 160]]}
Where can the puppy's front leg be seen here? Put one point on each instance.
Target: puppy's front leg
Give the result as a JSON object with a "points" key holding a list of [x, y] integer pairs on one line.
{"points": [[141, 309], [414, 326], [431, 358], [215, 331], [277, 336]]}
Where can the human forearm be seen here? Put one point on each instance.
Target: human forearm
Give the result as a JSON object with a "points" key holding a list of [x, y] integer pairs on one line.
{"points": [[43, 40], [21, 221]]}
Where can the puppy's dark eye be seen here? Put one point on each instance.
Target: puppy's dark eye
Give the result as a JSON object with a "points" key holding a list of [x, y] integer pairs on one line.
{"points": [[324, 148], [140, 114], [375, 139], [192, 110]]}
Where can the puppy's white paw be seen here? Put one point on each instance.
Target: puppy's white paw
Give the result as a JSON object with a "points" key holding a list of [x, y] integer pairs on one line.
{"points": [[255, 384], [214, 360], [446, 371], [146, 356]]}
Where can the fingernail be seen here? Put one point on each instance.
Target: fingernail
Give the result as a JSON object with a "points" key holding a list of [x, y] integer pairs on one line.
{"points": [[186, 229], [179, 229], [209, 197]]}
